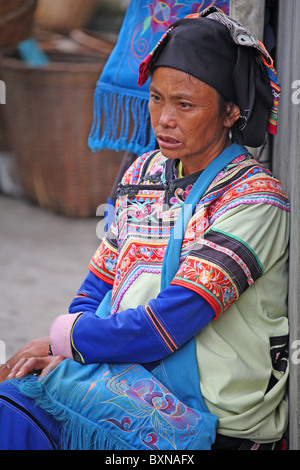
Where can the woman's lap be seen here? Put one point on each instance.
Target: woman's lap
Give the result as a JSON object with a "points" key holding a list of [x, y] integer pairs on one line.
{"points": [[23, 425]]}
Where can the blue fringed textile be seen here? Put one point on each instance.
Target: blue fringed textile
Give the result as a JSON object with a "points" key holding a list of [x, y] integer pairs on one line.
{"points": [[118, 407], [121, 118]]}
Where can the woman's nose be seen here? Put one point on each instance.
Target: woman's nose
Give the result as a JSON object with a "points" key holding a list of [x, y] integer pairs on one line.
{"points": [[167, 117]]}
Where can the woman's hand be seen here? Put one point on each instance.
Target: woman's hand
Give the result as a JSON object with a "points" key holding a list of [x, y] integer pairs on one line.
{"points": [[35, 348], [40, 365]]}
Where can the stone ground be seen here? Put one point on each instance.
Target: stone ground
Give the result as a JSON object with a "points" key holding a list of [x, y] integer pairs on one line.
{"points": [[43, 260]]}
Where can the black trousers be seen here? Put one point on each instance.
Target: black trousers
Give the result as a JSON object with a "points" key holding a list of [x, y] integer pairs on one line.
{"points": [[233, 443]]}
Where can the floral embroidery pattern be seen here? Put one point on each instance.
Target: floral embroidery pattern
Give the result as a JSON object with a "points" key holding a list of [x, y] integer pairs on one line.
{"points": [[233, 256], [137, 258], [158, 407], [181, 195], [140, 408], [255, 186], [255, 191], [210, 281], [103, 263], [161, 15], [197, 7], [158, 18]]}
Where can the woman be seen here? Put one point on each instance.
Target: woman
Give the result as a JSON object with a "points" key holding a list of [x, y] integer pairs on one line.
{"points": [[193, 269]]}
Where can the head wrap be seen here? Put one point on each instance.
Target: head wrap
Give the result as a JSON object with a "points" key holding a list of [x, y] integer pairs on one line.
{"points": [[220, 52]]}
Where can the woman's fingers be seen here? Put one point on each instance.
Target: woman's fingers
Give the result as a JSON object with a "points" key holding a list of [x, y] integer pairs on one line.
{"points": [[35, 348], [4, 372], [15, 369], [54, 361], [25, 366]]}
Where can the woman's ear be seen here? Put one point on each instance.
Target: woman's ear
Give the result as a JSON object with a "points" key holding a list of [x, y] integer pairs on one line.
{"points": [[232, 114]]}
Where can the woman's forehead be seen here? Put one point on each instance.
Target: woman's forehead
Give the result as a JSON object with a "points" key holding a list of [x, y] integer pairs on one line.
{"points": [[176, 82]]}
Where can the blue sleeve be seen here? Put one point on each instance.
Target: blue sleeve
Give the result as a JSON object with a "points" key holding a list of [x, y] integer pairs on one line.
{"points": [[90, 294], [145, 334]]}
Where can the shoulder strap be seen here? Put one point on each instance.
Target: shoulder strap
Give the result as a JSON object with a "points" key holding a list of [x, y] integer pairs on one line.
{"points": [[172, 255], [187, 383]]}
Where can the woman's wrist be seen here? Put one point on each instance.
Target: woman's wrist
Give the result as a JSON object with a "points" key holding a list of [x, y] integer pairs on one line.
{"points": [[60, 335]]}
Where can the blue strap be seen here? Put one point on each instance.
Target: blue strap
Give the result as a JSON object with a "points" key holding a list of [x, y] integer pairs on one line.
{"points": [[104, 309], [186, 384], [171, 261]]}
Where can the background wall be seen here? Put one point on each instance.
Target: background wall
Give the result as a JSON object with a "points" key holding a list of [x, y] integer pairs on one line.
{"points": [[251, 14], [286, 166]]}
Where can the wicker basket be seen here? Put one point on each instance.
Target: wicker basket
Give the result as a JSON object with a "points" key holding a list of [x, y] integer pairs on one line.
{"points": [[49, 112], [64, 15], [16, 20]]}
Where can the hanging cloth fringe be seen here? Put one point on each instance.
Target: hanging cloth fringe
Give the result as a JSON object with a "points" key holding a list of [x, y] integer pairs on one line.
{"points": [[121, 121]]}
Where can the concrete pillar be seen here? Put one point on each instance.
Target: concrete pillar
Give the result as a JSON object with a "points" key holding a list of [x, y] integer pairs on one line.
{"points": [[251, 14], [286, 165]]}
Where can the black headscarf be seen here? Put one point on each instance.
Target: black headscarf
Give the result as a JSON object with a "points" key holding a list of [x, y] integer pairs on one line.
{"points": [[222, 53]]}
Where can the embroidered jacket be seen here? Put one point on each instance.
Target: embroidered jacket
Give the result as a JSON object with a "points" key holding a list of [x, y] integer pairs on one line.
{"points": [[230, 291]]}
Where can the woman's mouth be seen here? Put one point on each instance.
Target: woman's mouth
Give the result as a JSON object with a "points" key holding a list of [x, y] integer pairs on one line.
{"points": [[167, 142]]}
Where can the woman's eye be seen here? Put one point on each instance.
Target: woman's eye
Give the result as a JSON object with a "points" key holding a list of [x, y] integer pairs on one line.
{"points": [[183, 104], [155, 97]]}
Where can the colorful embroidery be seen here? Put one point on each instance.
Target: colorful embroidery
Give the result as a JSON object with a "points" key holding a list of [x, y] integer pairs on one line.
{"points": [[132, 175], [103, 263], [210, 281], [219, 251], [161, 15], [257, 190], [181, 195], [223, 5], [244, 182], [217, 265], [137, 258], [149, 415], [195, 231], [276, 90], [213, 247]]}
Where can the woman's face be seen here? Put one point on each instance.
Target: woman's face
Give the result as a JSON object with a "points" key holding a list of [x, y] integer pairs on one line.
{"points": [[186, 119]]}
